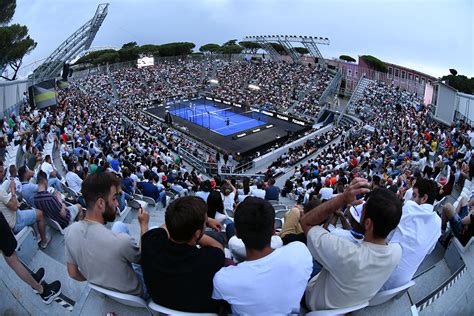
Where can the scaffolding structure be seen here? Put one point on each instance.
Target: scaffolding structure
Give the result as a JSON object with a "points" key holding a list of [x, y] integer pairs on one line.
{"points": [[78, 41], [286, 41]]}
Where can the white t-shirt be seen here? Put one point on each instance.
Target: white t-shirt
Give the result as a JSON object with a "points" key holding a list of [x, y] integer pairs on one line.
{"points": [[346, 234], [260, 193], [352, 274], [272, 285], [326, 193], [417, 234], [237, 247], [47, 168], [228, 201], [408, 195], [73, 181]]}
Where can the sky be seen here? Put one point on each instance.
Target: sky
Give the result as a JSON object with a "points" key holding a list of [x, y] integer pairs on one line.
{"points": [[431, 36]]}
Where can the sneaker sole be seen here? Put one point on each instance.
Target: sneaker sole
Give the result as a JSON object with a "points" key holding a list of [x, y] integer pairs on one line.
{"points": [[51, 299]]}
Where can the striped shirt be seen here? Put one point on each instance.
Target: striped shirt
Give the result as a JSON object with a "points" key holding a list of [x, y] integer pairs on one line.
{"points": [[51, 207]]}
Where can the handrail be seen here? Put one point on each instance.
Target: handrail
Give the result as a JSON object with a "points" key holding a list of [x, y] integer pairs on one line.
{"points": [[331, 87], [352, 99]]}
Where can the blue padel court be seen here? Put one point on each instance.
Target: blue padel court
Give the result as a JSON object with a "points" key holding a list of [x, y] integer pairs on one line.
{"points": [[222, 121]]}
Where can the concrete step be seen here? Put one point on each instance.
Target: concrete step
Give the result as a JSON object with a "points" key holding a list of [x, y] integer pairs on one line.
{"points": [[455, 301], [393, 307], [427, 282], [98, 304], [30, 301]]}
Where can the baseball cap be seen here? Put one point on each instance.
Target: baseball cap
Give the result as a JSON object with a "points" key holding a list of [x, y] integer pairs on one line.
{"points": [[356, 211]]}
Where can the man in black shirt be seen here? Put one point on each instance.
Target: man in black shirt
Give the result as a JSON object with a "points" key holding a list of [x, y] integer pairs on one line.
{"points": [[178, 275], [47, 292]]}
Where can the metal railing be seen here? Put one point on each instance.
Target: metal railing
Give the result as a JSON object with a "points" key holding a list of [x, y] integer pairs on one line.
{"points": [[331, 88]]}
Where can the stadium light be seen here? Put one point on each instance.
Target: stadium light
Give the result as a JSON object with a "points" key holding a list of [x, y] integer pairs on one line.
{"points": [[254, 87]]}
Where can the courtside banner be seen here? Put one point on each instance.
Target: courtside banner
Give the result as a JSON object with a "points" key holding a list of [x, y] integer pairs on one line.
{"points": [[45, 94]]}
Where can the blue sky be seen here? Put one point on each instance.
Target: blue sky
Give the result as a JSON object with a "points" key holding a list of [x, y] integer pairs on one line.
{"points": [[430, 36]]}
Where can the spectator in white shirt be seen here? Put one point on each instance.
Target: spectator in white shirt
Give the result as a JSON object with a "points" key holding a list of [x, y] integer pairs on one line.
{"points": [[259, 191], [73, 181], [270, 281], [47, 167], [417, 233]]}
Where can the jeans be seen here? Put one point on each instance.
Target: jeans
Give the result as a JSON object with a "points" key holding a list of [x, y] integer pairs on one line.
{"points": [[56, 184], [121, 228], [162, 198]]}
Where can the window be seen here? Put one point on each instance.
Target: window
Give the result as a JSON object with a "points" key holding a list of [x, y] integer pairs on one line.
{"points": [[416, 79], [403, 74], [349, 73], [410, 77], [390, 72], [422, 80], [396, 72]]}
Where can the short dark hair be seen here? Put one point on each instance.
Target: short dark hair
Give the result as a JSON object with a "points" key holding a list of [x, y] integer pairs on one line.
{"points": [[70, 166], [206, 186], [428, 187], [254, 222], [22, 172], [185, 216], [98, 185], [41, 177], [385, 209], [214, 204]]}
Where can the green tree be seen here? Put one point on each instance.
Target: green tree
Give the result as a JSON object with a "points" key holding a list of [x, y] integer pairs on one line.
{"points": [[210, 48], [460, 82], [279, 48], [250, 47], [347, 58], [15, 43], [176, 49], [375, 63], [7, 9], [149, 49], [232, 49], [128, 53], [130, 45], [230, 43], [301, 50], [109, 57], [93, 56], [454, 72]]}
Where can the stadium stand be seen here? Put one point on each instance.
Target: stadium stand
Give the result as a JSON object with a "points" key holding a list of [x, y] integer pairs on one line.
{"points": [[98, 127]]}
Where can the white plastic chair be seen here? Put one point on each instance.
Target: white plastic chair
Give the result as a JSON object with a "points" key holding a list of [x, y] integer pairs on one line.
{"points": [[122, 298], [279, 207], [338, 311], [168, 311], [385, 296], [149, 200], [230, 213], [280, 213], [54, 224]]}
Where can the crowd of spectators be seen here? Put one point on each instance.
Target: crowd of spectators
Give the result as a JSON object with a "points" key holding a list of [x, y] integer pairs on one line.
{"points": [[277, 86], [361, 194]]}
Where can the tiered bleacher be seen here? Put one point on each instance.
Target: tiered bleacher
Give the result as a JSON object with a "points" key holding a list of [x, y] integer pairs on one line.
{"points": [[395, 148]]}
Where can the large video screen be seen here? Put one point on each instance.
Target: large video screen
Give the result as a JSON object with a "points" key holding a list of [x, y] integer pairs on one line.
{"points": [[145, 62]]}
